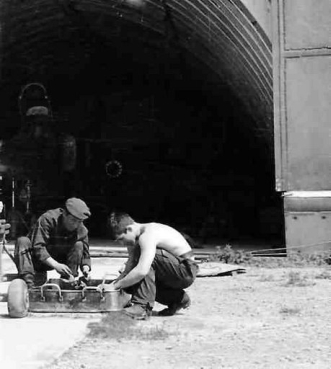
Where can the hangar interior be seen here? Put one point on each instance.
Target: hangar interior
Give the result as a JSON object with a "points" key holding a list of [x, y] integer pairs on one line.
{"points": [[168, 106]]}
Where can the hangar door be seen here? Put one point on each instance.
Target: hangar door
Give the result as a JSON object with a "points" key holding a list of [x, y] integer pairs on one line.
{"points": [[302, 120], [302, 94]]}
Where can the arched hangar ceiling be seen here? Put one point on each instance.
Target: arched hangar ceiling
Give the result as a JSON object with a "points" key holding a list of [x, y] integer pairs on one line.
{"points": [[48, 39]]}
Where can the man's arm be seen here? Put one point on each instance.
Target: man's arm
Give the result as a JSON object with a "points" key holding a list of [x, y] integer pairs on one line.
{"points": [[40, 236], [62, 269], [147, 253], [82, 236], [133, 258]]}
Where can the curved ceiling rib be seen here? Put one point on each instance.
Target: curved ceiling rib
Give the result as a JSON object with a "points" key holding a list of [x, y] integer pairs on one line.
{"points": [[221, 34]]}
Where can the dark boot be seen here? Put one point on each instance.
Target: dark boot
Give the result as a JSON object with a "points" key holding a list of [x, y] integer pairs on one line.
{"points": [[172, 309]]}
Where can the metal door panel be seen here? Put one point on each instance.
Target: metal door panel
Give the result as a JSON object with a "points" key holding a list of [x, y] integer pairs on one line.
{"points": [[307, 24], [302, 94], [308, 97], [308, 232]]}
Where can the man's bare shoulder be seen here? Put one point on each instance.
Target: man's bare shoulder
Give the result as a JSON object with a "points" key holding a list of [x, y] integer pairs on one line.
{"points": [[157, 228], [150, 231], [164, 236]]}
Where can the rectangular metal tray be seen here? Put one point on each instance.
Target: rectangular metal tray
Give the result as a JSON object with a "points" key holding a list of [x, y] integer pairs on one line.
{"points": [[58, 297]]}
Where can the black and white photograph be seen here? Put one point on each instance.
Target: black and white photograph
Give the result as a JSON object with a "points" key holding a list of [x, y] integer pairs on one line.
{"points": [[165, 184]]}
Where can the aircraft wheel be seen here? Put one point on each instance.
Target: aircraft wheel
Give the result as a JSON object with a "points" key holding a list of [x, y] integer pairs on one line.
{"points": [[18, 299]]}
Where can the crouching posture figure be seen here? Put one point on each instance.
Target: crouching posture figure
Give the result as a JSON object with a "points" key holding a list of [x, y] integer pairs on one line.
{"points": [[59, 241], [160, 266]]}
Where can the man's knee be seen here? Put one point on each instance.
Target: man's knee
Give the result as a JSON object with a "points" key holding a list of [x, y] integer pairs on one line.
{"points": [[22, 255]]}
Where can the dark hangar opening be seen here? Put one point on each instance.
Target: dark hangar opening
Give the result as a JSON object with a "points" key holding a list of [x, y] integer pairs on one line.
{"points": [[168, 106]]}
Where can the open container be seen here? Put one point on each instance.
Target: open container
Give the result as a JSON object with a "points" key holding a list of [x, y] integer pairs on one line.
{"points": [[58, 296]]}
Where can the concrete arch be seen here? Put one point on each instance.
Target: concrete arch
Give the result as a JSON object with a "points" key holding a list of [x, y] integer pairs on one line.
{"points": [[222, 46], [222, 34]]}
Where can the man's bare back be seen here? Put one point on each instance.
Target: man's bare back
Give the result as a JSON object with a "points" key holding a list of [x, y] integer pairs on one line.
{"points": [[165, 237]]}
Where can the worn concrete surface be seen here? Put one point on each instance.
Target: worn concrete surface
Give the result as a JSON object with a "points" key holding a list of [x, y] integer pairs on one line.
{"points": [[36, 340], [31, 342]]}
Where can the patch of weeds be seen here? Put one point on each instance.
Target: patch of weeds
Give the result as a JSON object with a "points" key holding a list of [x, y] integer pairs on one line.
{"points": [[290, 311], [267, 262], [229, 256], [291, 259], [298, 258], [324, 275], [118, 326], [298, 280]]}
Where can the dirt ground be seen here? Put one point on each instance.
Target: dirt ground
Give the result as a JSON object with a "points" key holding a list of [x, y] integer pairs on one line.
{"points": [[264, 318]]}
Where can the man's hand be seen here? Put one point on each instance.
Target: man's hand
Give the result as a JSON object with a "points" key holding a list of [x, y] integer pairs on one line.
{"points": [[63, 269], [4, 227], [86, 271]]}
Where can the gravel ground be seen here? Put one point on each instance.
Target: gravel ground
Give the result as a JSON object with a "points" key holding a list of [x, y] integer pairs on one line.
{"points": [[264, 318]]}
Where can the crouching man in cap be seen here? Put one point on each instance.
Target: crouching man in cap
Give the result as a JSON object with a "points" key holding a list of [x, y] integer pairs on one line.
{"points": [[160, 266], [58, 240]]}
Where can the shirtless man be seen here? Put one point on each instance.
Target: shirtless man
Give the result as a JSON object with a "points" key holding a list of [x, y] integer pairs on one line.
{"points": [[160, 266]]}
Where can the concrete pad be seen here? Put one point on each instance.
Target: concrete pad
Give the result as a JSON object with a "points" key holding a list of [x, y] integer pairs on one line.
{"points": [[32, 342], [38, 339]]}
